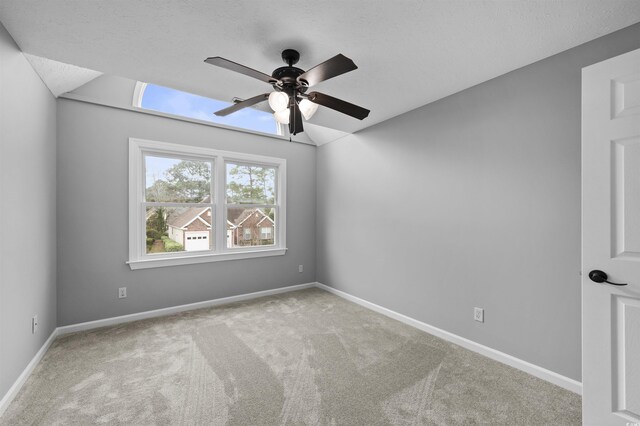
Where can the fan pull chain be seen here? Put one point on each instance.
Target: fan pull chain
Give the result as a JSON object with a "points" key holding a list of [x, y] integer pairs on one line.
{"points": [[295, 113]]}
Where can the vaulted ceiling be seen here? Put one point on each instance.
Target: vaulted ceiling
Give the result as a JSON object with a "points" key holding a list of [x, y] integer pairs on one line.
{"points": [[409, 53]]}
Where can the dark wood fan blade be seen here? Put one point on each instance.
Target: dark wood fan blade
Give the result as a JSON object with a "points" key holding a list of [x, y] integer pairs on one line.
{"points": [[333, 67], [295, 119], [242, 104], [233, 66], [339, 105]]}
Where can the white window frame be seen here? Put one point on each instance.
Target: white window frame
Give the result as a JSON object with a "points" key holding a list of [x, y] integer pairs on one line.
{"points": [[138, 257], [138, 93]]}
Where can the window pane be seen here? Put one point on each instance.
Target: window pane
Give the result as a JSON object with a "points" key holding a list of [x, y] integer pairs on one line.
{"points": [[178, 229], [250, 227], [250, 184], [266, 232], [177, 180], [171, 101]]}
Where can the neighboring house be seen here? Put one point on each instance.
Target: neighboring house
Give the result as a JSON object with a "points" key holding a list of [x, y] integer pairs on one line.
{"points": [[192, 228], [251, 228]]}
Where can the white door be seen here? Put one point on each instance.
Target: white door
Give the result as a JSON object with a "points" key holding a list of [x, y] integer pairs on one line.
{"points": [[611, 241]]}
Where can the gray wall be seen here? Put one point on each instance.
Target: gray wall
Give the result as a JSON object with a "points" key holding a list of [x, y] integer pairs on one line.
{"points": [[109, 90], [473, 200], [28, 212], [93, 217]]}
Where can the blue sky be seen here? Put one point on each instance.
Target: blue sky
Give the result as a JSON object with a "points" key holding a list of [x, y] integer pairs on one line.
{"points": [[156, 167], [171, 101]]}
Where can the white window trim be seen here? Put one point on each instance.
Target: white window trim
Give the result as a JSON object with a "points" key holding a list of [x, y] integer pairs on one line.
{"points": [[139, 259], [138, 93]]}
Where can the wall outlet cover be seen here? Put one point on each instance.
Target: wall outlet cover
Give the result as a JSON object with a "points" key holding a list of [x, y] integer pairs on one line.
{"points": [[478, 314], [122, 292]]}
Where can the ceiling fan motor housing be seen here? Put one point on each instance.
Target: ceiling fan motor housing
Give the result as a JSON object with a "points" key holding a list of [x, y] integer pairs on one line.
{"points": [[288, 76]]}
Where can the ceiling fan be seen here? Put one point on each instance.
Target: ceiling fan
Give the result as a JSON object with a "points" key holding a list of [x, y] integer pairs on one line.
{"points": [[290, 100]]}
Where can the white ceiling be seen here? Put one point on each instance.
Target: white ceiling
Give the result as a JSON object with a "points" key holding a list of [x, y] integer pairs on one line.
{"points": [[409, 53]]}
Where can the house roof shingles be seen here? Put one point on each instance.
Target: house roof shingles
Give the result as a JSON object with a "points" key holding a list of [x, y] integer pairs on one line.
{"points": [[235, 216], [188, 216]]}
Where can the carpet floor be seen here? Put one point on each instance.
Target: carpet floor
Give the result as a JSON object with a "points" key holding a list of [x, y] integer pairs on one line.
{"points": [[300, 358]]}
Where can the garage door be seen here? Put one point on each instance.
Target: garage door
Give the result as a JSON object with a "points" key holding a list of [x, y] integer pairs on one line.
{"points": [[196, 241]]}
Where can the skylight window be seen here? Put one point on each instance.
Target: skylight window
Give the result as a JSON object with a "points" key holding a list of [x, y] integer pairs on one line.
{"points": [[175, 102]]}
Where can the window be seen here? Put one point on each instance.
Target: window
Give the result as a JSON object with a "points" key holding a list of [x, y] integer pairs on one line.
{"points": [[175, 102], [193, 205], [251, 195], [177, 189], [265, 233]]}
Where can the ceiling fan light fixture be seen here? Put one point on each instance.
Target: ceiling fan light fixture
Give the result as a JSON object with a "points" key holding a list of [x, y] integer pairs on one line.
{"points": [[282, 117], [307, 108], [278, 101]]}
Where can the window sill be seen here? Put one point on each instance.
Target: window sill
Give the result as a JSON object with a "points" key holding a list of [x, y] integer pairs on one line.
{"points": [[205, 258]]}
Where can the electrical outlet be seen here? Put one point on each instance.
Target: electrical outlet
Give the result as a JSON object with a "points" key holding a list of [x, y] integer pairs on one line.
{"points": [[300, 268], [34, 324], [122, 292], [478, 314]]}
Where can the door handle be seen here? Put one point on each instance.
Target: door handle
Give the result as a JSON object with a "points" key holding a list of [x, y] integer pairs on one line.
{"points": [[601, 277]]}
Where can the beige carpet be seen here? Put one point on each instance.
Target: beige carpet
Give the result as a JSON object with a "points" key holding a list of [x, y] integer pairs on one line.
{"points": [[306, 357]]}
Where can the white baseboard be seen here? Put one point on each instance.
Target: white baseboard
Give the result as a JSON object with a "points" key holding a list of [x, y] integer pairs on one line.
{"points": [[20, 381], [527, 367], [175, 309]]}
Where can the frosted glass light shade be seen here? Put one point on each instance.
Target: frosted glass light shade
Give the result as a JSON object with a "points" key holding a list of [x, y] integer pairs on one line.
{"points": [[278, 101], [282, 117], [307, 108]]}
